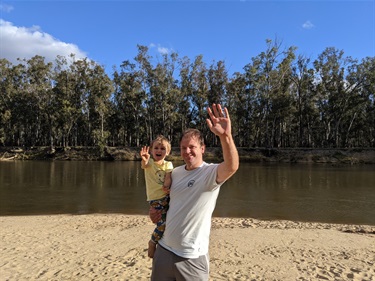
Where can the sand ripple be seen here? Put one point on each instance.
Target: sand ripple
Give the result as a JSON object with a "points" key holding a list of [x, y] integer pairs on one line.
{"points": [[114, 247]]}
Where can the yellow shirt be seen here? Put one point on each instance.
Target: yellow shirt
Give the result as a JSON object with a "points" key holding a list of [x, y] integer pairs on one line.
{"points": [[154, 176]]}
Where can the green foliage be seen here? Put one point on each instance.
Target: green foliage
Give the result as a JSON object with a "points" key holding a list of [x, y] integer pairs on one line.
{"points": [[100, 139], [280, 100]]}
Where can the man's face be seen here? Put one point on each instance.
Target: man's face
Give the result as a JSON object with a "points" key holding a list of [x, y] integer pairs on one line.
{"points": [[191, 152]]}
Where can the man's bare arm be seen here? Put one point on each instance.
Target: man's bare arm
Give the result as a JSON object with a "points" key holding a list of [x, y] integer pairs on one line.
{"points": [[220, 124]]}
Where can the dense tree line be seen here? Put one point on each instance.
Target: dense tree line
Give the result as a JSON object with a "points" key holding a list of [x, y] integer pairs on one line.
{"points": [[280, 100]]}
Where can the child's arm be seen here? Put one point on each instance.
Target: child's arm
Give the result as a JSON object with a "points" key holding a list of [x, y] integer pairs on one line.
{"points": [[145, 156], [167, 182]]}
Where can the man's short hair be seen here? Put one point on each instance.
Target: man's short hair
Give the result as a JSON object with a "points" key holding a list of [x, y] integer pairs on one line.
{"points": [[195, 133]]}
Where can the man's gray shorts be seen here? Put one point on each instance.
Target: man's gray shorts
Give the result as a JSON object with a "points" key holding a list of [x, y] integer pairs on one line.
{"points": [[167, 266]]}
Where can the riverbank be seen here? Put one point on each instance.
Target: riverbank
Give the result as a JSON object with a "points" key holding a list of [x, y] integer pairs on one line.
{"points": [[286, 155], [114, 247]]}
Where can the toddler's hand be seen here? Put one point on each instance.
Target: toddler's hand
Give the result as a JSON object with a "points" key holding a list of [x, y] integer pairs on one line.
{"points": [[144, 154], [166, 189]]}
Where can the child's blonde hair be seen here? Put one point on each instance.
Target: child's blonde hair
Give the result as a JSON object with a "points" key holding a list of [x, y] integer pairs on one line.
{"points": [[163, 140]]}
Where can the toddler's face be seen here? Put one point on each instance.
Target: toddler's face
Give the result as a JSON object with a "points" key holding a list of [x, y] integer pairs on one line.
{"points": [[159, 151]]}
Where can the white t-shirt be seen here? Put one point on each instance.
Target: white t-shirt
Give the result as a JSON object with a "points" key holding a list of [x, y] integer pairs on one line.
{"points": [[193, 199]]}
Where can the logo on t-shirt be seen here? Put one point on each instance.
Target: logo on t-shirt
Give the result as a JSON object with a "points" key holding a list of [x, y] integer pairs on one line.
{"points": [[191, 183], [160, 174]]}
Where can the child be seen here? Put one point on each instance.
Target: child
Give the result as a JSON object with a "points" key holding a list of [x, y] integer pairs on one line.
{"points": [[158, 181]]}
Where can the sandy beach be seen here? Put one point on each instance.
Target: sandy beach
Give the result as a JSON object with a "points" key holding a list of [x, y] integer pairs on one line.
{"points": [[114, 247]]}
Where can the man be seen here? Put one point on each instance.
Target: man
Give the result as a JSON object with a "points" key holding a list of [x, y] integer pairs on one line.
{"points": [[182, 253]]}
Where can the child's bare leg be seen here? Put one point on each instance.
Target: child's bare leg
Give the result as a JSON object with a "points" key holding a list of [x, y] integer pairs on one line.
{"points": [[151, 248]]}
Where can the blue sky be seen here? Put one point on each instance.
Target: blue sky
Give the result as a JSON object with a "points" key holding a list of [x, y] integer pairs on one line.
{"points": [[233, 31]]}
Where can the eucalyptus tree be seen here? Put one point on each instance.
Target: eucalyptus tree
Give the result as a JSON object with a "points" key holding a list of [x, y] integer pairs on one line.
{"points": [[199, 93], [145, 72], [336, 94], [39, 109], [361, 118], [162, 100], [68, 99], [306, 113], [83, 126], [82, 91], [257, 75], [267, 79], [183, 109], [129, 99], [283, 109], [175, 100], [9, 77], [217, 77], [241, 107], [100, 89], [368, 65], [17, 113], [72, 90]]}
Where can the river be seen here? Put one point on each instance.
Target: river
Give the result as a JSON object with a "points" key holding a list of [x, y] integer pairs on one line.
{"points": [[301, 192]]}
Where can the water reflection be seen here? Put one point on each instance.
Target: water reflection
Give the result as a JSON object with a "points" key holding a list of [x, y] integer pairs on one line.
{"points": [[301, 192], [71, 187]]}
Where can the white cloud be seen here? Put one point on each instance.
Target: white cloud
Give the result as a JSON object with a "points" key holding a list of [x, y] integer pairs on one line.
{"points": [[6, 8], [27, 42], [308, 25], [160, 49], [163, 50]]}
